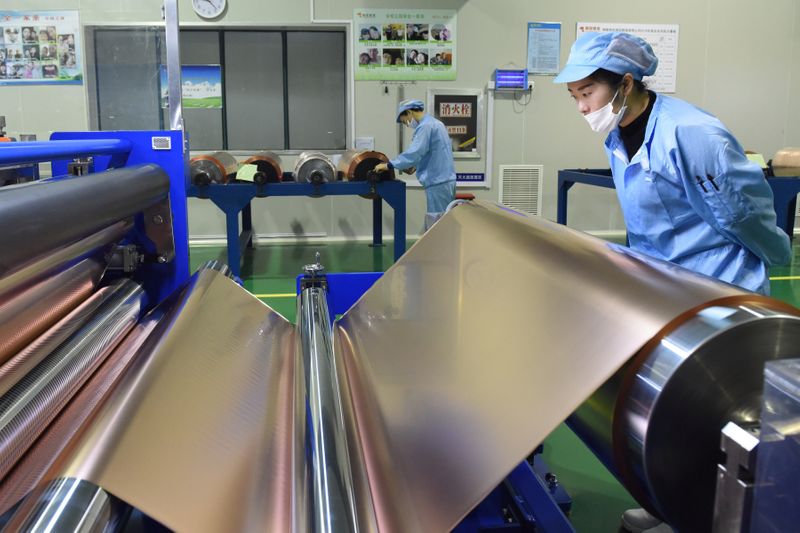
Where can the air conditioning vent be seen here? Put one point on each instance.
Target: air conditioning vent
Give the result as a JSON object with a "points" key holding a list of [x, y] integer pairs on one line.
{"points": [[521, 188]]}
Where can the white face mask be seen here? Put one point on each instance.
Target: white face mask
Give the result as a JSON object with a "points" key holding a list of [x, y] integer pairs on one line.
{"points": [[604, 120], [412, 123]]}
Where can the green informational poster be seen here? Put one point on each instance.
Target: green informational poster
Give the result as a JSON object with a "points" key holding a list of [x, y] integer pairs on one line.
{"points": [[405, 44]]}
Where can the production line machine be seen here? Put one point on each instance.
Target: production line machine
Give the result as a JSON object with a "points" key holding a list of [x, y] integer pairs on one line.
{"points": [[132, 390]]}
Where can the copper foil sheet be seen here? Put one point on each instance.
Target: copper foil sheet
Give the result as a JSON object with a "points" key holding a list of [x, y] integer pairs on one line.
{"points": [[27, 312], [43, 291], [42, 456], [472, 348], [488, 333], [199, 415], [32, 403], [26, 359]]}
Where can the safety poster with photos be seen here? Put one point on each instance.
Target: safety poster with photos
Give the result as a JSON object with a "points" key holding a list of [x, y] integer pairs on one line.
{"points": [[396, 44], [40, 47]]}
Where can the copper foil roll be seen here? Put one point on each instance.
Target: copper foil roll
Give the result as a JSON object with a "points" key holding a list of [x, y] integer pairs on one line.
{"points": [[41, 457], [217, 167], [356, 164], [269, 167], [30, 405], [28, 311], [26, 359], [43, 291]]}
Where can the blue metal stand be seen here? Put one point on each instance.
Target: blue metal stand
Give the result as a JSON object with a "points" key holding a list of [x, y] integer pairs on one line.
{"points": [[784, 191], [117, 149], [235, 198], [568, 178]]}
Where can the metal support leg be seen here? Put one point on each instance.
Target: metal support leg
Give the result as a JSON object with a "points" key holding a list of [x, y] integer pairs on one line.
{"points": [[233, 201], [246, 240], [234, 250], [396, 198], [561, 213], [377, 221]]}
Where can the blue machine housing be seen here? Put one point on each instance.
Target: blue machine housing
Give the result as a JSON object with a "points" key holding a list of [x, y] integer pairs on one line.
{"points": [[120, 149], [159, 280]]}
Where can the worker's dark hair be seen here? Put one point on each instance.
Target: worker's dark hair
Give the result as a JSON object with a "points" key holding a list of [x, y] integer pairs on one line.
{"points": [[613, 79]]}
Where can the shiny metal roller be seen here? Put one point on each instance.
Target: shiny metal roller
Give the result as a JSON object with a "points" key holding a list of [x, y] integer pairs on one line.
{"points": [[314, 167], [29, 406], [656, 423], [75, 208], [325, 494]]}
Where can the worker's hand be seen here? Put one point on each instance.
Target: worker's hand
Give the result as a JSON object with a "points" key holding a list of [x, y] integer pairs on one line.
{"points": [[409, 171], [381, 167]]}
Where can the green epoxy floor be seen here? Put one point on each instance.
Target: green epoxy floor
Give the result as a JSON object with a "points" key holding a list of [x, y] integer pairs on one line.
{"points": [[598, 499]]}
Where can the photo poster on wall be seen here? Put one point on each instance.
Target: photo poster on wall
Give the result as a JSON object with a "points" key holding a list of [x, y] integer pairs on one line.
{"points": [[662, 37], [201, 87], [544, 48], [398, 44], [40, 47]]}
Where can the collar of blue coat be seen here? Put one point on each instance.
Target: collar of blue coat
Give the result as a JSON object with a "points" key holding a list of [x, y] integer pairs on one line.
{"points": [[425, 118], [615, 146]]}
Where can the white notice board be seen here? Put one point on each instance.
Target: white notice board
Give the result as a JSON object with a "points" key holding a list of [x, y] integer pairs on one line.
{"points": [[662, 37]]}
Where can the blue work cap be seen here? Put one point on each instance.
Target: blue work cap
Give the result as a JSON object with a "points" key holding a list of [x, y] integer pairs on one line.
{"points": [[405, 105], [614, 51]]}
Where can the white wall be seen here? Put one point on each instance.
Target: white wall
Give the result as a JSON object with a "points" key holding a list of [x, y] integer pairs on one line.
{"points": [[736, 60]]}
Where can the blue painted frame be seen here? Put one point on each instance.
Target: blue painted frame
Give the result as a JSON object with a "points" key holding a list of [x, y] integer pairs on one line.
{"points": [[235, 198], [115, 150]]}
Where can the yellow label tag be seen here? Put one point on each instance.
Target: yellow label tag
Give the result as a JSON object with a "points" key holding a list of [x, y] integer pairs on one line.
{"points": [[757, 158], [246, 173]]}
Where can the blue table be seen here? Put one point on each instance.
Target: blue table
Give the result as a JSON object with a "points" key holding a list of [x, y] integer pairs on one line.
{"points": [[235, 198], [784, 190]]}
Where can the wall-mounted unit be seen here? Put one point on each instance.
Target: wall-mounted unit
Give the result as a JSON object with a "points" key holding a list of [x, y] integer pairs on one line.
{"points": [[521, 188]]}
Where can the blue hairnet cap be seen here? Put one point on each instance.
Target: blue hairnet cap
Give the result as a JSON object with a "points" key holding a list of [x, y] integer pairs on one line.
{"points": [[405, 105], [614, 51]]}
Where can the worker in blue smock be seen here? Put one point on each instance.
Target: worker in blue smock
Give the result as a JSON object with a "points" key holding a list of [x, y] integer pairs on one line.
{"points": [[688, 193], [431, 154]]}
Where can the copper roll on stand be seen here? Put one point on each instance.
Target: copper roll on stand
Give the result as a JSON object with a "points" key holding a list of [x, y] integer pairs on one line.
{"points": [[358, 165], [314, 167], [217, 167], [269, 167]]}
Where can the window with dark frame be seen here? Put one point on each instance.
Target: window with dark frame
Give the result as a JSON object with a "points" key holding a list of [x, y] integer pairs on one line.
{"points": [[281, 89]]}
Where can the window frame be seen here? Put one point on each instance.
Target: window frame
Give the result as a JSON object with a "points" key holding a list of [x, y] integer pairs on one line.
{"points": [[93, 103]]}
